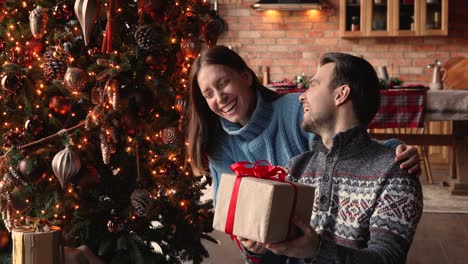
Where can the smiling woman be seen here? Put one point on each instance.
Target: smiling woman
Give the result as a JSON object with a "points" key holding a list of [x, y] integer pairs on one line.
{"points": [[227, 92], [232, 117]]}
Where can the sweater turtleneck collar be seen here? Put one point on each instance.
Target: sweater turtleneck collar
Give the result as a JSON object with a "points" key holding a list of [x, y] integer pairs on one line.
{"points": [[256, 125], [347, 143]]}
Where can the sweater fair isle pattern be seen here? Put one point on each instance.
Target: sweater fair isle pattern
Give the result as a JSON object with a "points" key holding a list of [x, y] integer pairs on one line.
{"points": [[366, 209]]}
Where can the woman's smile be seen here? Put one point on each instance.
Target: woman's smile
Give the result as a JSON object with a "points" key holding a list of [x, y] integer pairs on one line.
{"points": [[229, 107]]}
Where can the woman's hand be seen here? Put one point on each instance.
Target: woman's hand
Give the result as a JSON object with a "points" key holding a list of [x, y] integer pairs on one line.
{"points": [[410, 156], [252, 246], [304, 246]]}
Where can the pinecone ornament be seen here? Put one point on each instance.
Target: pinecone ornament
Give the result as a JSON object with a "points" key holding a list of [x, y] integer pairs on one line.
{"points": [[38, 20], [56, 63], [147, 38], [13, 138], [141, 201]]}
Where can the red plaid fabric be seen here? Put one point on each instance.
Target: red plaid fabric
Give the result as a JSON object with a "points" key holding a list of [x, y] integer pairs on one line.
{"points": [[290, 90], [400, 109]]}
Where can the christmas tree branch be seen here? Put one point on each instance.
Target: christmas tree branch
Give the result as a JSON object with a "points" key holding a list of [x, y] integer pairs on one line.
{"points": [[65, 130]]}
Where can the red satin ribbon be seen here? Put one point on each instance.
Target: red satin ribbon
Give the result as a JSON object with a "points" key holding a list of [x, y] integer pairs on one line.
{"points": [[107, 41], [260, 169]]}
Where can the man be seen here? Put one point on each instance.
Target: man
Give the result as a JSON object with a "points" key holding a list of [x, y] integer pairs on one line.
{"points": [[366, 208]]}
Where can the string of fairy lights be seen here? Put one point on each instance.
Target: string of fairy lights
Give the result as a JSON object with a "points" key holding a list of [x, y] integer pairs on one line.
{"points": [[30, 51]]}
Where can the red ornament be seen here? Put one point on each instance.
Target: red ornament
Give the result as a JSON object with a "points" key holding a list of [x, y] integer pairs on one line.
{"points": [[60, 105], [171, 169], [156, 62], [4, 239], [116, 223], [139, 101], [32, 169], [87, 176], [111, 12], [21, 56], [93, 51], [131, 123], [10, 82]]}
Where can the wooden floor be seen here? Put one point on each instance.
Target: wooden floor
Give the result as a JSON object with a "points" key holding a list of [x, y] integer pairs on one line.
{"points": [[439, 239]]}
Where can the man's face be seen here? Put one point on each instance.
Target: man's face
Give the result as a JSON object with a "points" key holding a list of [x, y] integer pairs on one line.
{"points": [[318, 101]]}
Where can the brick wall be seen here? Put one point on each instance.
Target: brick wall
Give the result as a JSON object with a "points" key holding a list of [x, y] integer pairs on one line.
{"points": [[289, 42]]}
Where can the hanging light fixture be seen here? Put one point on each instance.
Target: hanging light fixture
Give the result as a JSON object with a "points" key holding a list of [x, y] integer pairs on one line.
{"points": [[287, 5]]}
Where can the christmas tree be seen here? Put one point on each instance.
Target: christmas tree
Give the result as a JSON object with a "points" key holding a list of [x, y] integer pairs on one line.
{"points": [[92, 105]]}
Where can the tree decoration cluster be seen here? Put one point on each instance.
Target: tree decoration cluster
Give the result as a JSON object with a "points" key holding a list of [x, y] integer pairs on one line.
{"points": [[93, 99]]}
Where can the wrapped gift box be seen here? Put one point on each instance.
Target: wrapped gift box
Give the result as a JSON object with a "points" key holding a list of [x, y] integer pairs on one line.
{"points": [[31, 247], [264, 208]]}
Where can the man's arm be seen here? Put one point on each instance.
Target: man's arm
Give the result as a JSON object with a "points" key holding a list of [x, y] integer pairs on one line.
{"points": [[392, 226]]}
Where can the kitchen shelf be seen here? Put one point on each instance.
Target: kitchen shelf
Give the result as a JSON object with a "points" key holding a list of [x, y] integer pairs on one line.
{"points": [[395, 18]]}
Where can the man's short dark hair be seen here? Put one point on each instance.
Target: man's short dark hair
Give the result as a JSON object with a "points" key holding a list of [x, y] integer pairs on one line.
{"points": [[361, 77]]}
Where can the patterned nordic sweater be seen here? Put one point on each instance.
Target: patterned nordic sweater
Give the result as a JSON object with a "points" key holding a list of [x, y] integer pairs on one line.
{"points": [[366, 209]]}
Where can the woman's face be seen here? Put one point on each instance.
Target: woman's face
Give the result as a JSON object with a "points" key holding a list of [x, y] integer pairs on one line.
{"points": [[227, 92]]}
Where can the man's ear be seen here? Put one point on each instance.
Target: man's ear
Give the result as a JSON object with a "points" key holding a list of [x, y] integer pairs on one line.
{"points": [[342, 95]]}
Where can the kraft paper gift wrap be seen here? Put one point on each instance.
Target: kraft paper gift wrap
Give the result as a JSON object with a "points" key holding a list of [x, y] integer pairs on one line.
{"points": [[264, 207], [31, 247]]}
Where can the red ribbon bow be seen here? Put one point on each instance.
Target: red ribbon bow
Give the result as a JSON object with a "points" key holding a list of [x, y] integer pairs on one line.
{"points": [[260, 169]]}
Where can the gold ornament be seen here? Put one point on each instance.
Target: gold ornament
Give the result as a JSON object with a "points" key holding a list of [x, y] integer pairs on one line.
{"points": [[75, 79], [111, 91], [87, 11], [105, 148], [65, 165], [38, 22]]}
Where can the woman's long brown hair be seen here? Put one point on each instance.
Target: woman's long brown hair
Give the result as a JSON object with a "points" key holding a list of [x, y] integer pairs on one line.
{"points": [[203, 124]]}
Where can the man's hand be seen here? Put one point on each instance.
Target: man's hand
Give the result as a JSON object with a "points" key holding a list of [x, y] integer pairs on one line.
{"points": [[410, 156], [252, 246], [305, 246]]}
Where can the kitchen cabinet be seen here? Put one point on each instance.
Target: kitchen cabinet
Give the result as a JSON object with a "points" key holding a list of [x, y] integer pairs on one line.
{"points": [[400, 18]]}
